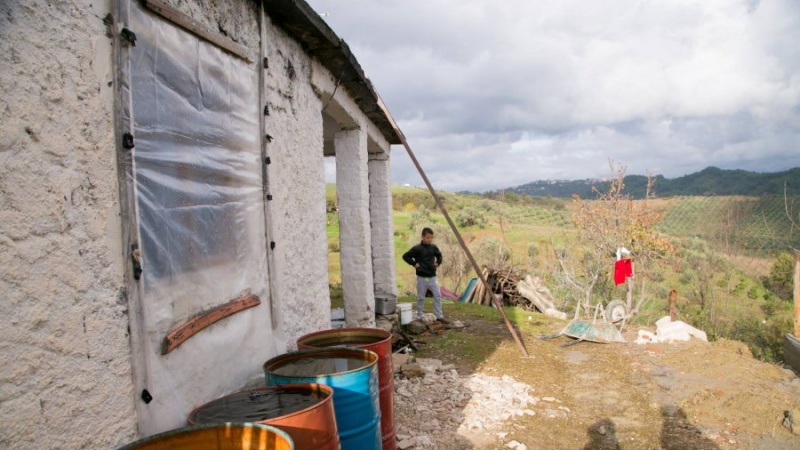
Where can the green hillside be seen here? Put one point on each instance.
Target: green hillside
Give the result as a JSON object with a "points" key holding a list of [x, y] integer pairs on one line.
{"points": [[756, 225], [711, 181], [726, 250]]}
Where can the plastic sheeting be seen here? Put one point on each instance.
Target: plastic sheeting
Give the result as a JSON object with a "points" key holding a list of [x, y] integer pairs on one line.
{"points": [[669, 331], [200, 214]]}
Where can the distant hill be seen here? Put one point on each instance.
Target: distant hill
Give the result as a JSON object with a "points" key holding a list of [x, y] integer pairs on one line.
{"points": [[708, 182]]}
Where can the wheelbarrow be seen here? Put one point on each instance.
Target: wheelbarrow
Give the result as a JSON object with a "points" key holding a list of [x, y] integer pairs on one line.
{"points": [[593, 329]]}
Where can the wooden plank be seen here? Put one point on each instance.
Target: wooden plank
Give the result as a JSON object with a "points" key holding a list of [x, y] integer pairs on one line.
{"points": [[182, 20], [487, 292], [193, 325], [479, 294]]}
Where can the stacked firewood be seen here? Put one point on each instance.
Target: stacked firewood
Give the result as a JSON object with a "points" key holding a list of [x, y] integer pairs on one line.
{"points": [[515, 289], [502, 281]]}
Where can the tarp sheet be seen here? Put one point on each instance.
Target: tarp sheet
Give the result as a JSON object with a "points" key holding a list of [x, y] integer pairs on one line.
{"points": [[201, 226]]}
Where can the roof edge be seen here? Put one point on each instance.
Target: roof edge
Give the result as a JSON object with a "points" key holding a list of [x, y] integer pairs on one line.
{"points": [[303, 24]]}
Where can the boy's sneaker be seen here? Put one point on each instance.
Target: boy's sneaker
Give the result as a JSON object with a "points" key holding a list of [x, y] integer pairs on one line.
{"points": [[443, 320]]}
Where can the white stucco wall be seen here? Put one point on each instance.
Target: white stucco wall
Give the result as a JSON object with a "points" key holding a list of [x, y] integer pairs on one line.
{"points": [[65, 355], [65, 374], [296, 180]]}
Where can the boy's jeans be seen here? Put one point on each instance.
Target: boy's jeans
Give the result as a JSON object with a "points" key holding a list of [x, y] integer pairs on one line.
{"points": [[423, 284]]}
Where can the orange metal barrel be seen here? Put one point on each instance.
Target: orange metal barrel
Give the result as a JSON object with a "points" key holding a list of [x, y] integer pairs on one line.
{"points": [[304, 411], [375, 340], [225, 436]]}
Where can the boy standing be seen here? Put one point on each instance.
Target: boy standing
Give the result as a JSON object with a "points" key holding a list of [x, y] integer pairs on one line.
{"points": [[426, 257]]}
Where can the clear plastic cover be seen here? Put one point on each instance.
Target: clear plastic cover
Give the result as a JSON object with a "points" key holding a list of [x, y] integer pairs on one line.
{"points": [[197, 178]]}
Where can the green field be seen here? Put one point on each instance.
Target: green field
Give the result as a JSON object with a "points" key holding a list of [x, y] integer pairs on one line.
{"points": [[725, 249]]}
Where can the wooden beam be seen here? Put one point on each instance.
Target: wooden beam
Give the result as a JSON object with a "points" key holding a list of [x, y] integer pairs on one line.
{"points": [[193, 325], [673, 305], [175, 16], [496, 300], [797, 293]]}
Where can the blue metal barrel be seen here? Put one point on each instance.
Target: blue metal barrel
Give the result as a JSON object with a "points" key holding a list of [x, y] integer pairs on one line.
{"points": [[353, 375]]}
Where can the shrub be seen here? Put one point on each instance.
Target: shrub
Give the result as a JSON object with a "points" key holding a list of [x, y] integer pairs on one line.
{"points": [[468, 217], [657, 277], [492, 252], [533, 251], [780, 277], [741, 287], [763, 337], [485, 205], [420, 218], [773, 304], [755, 292]]}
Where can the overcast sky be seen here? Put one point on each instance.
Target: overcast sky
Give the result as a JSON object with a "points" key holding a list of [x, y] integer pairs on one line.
{"points": [[497, 94]]}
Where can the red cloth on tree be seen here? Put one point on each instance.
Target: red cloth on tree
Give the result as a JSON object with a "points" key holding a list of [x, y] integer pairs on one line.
{"points": [[622, 269]]}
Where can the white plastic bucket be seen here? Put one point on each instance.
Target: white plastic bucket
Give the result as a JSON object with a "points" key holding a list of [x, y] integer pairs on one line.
{"points": [[405, 313]]}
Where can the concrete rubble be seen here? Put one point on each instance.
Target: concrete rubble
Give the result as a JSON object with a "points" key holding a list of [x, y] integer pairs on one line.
{"points": [[438, 408]]}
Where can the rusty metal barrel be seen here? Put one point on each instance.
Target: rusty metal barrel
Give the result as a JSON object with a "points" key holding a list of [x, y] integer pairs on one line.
{"points": [[218, 436], [304, 411], [353, 375], [375, 340]]}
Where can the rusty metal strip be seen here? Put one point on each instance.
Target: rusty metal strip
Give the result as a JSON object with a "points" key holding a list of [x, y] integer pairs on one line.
{"points": [[175, 16], [498, 305], [192, 326]]}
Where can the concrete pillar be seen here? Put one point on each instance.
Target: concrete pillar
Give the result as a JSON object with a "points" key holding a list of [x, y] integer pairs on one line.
{"points": [[352, 191], [380, 212]]}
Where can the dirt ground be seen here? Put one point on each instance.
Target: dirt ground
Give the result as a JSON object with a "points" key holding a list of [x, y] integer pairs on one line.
{"points": [[686, 395]]}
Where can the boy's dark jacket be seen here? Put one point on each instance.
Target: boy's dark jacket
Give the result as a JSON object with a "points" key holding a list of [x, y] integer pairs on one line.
{"points": [[425, 255]]}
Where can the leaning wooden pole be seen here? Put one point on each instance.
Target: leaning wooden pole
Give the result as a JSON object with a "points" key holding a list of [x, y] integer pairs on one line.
{"points": [[797, 294], [463, 244]]}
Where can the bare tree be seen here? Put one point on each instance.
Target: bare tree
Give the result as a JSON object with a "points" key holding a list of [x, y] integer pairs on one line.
{"points": [[580, 276], [789, 207], [614, 220]]}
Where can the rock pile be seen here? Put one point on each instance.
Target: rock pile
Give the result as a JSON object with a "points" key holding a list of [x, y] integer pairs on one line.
{"points": [[443, 410]]}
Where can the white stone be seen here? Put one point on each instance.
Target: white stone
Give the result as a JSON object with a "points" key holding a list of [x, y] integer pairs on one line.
{"points": [[406, 444]]}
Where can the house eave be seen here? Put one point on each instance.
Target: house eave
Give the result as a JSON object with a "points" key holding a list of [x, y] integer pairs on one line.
{"points": [[303, 24]]}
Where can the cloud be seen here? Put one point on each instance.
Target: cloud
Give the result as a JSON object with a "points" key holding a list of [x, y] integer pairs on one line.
{"points": [[494, 95]]}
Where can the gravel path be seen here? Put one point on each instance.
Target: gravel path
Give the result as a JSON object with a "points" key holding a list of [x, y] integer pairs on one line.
{"points": [[444, 410]]}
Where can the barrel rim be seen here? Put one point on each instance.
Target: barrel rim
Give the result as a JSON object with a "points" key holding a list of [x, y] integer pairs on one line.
{"points": [[313, 386], [299, 354], [185, 430], [302, 340]]}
